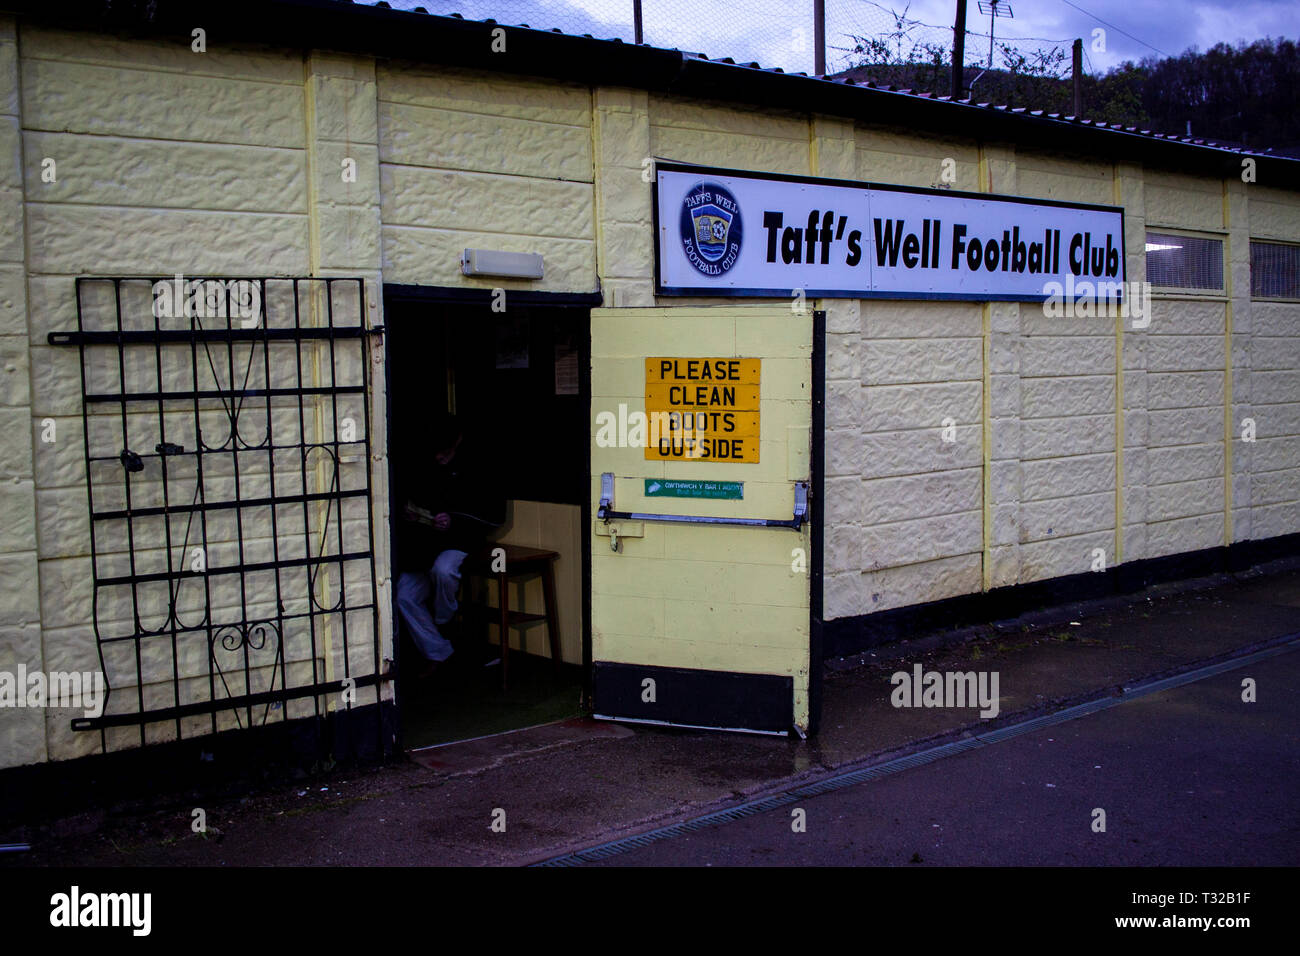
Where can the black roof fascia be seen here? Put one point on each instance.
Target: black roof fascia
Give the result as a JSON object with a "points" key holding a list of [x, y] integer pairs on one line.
{"points": [[923, 114], [364, 29], [450, 41]]}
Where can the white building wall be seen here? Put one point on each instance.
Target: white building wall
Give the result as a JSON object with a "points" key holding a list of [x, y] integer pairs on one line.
{"points": [[168, 161], [1070, 436]]}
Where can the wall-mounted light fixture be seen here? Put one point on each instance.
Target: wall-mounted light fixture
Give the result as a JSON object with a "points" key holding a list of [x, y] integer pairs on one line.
{"points": [[490, 262]]}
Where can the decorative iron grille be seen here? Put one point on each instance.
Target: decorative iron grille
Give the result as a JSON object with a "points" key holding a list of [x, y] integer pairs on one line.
{"points": [[227, 445]]}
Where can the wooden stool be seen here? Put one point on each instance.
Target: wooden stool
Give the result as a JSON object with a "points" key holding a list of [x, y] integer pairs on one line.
{"points": [[520, 562]]}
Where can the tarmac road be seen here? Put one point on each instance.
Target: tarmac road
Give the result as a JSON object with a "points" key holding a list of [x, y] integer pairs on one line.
{"points": [[1191, 776], [580, 784]]}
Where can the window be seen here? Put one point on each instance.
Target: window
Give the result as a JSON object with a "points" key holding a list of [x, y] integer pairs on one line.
{"points": [[1184, 262], [1274, 270]]}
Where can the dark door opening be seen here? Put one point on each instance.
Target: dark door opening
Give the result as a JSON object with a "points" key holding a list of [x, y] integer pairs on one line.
{"points": [[516, 383]]}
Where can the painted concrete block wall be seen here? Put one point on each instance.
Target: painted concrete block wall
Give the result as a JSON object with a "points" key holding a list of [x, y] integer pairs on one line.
{"points": [[621, 138], [22, 732], [1240, 377], [1272, 212], [107, 115], [1101, 440], [915, 437], [473, 160], [887, 156], [903, 453], [1274, 458], [1131, 378], [1009, 369], [1068, 395], [679, 130], [1064, 178], [154, 147], [984, 509], [1185, 357], [1266, 379], [158, 171], [1067, 446], [1185, 385], [729, 136], [343, 203], [1183, 201]]}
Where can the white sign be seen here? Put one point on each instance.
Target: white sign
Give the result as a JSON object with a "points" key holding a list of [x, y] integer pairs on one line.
{"points": [[723, 232]]}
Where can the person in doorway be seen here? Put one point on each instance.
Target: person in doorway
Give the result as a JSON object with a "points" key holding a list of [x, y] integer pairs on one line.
{"points": [[447, 510]]}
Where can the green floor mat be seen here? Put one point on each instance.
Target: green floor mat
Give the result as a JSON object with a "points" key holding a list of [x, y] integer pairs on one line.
{"points": [[464, 699]]}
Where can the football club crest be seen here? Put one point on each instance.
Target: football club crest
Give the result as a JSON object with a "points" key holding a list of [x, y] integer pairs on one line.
{"points": [[711, 229]]}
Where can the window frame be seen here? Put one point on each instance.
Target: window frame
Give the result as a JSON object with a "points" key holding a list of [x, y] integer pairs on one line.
{"points": [[1270, 298], [1186, 292]]}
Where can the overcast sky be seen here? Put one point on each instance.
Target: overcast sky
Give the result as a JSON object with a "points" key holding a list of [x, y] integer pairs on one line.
{"points": [[778, 32]]}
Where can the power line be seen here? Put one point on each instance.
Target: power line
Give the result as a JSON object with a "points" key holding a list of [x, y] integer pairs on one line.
{"points": [[1113, 27]]}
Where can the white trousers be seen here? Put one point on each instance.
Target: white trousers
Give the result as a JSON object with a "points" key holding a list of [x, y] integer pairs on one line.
{"points": [[443, 581]]}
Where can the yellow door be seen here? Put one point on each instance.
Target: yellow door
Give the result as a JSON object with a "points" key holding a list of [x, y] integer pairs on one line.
{"points": [[700, 451]]}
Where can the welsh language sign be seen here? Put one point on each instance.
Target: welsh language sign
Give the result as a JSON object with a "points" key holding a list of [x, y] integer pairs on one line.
{"points": [[702, 409], [726, 232], [665, 488]]}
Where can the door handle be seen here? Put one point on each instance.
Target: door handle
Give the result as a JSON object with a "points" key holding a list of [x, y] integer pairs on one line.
{"points": [[606, 510]]}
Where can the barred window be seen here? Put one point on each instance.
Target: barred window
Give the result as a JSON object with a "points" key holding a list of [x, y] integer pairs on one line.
{"points": [[1274, 270], [1184, 262]]}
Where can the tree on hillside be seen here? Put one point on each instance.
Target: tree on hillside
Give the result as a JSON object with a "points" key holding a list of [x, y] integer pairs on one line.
{"points": [[1247, 93]]}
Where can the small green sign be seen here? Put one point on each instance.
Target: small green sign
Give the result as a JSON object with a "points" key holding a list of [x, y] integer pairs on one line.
{"points": [[663, 488]]}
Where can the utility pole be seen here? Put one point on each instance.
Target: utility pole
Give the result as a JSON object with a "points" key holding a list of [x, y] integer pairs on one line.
{"points": [[1077, 72], [958, 51], [637, 27], [819, 37]]}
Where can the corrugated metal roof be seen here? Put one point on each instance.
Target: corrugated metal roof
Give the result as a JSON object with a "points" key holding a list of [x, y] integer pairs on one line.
{"points": [[377, 29], [1198, 141]]}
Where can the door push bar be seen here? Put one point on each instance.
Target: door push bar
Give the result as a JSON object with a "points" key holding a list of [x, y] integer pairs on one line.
{"points": [[606, 510]]}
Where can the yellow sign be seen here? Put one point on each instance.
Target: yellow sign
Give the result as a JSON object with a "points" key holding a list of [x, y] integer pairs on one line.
{"points": [[702, 409]]}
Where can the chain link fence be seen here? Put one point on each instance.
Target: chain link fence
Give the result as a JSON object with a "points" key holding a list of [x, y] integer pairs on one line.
{"points": [[773, 33]]}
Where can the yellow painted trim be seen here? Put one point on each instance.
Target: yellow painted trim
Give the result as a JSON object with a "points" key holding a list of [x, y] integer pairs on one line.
{"points": [[814, 147], [313, 193], [1227, 373], [986, 413], [985, 180], [1117, 194], [1119, 437], [597, 180], [317, 308], [984, 174]]}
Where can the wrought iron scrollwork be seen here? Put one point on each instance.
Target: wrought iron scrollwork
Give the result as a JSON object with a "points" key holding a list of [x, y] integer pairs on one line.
{"points": [[226, 542]]}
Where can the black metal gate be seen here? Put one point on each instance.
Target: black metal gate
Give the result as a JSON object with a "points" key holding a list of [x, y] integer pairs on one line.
{"points": [[227, 444]]}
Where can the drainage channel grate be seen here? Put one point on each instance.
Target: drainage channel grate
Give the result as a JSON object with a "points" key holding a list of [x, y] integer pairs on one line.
{"points": [[677, 829], [899, 764]]}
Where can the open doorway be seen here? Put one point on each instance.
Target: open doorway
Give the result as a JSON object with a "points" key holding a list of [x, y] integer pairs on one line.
{"points": [[513, 385]]}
